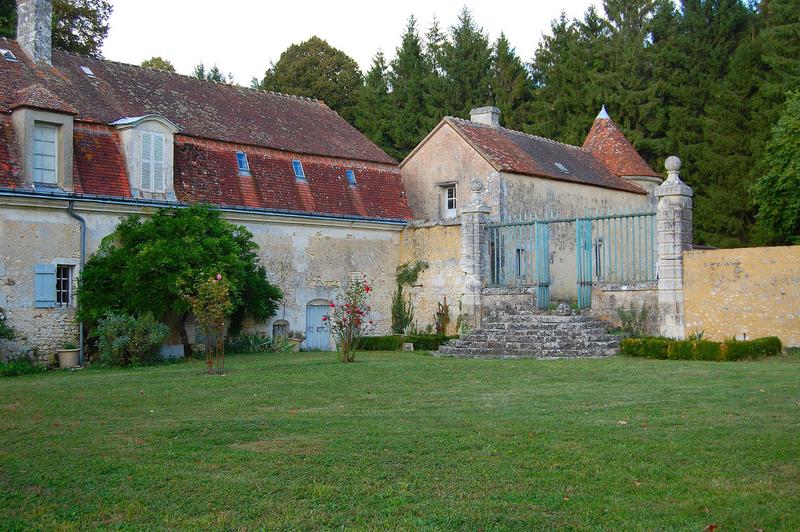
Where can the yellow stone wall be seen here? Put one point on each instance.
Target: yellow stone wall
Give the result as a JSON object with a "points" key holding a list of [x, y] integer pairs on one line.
{"points": [[750, 293], [440, 246]]}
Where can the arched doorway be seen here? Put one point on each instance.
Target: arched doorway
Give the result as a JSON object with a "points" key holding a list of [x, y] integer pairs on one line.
{"points": [[318, 337]]}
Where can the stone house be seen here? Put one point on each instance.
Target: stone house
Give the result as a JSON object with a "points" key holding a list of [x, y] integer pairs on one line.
{"points": [[85, 142], [522, 177]]}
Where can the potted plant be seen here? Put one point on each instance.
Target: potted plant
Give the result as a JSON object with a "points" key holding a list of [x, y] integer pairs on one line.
{"points": [[68, 355], [295, 338]]}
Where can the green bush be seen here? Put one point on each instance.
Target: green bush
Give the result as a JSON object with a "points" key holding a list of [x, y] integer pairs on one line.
{"points": [[257, 343], [6, 331], [422, 342], [129, 341], [664, 348], [22, 366]]}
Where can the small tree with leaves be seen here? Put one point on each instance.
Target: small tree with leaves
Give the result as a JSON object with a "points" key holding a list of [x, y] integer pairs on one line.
{"points": [[348, 317], [402, 310], [210, 304]]}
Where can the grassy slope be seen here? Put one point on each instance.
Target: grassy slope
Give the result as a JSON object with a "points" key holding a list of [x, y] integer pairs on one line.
{"points": [[405, 441]]}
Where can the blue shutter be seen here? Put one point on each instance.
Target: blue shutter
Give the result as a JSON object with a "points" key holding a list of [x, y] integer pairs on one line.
{"points": [[44, 285]]}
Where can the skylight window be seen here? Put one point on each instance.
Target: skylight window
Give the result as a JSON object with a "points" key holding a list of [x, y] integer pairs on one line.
{"points": [[88, 71], [8, 55], [351, 177], [562, 168], [244, 165], [298, 169]]}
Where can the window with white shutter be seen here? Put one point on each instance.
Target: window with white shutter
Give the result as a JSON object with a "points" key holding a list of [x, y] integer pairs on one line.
{"points": [[44, 153], [152, 162]]}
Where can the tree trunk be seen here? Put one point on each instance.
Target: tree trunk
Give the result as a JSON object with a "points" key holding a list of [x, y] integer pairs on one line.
{"points": [[187, 347]]}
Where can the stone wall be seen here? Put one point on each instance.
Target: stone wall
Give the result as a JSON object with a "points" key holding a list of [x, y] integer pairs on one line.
{"points": [[743, 293], [309, 258], [608, 299], [438, 244]]}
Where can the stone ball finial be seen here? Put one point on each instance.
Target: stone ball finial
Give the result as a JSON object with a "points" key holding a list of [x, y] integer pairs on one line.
{"points": [[672, 164], [475, 185]]}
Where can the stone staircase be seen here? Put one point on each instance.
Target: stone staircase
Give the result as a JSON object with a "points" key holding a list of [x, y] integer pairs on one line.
{"points": [[515, 333]]}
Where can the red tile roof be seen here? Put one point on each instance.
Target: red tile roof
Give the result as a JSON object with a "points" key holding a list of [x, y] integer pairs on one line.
{"points": [[521, 153], [201, 109], [608, 143], [39, 97], [216, 120]]}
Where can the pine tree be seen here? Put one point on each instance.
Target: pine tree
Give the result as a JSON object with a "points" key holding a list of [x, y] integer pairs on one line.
{"points": [[436, 84], [407, 79], [373, 112], [467, 62], [511, 85]]}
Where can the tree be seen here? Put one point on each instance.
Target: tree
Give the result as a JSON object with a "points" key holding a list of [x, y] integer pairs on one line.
{"points": [[79, 26], [408, 77], [467, 62], [777, 193], [316, 69], [214, 74], [159, 63], [511, 85], [144, 264], [373, 112]]}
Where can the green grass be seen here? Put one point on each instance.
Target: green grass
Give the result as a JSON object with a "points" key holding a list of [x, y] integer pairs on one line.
{"points": [[405, 441]]}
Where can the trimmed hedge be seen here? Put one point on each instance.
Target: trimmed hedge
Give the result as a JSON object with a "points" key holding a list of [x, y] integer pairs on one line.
{"points": [[422, 342], [663, 348]]}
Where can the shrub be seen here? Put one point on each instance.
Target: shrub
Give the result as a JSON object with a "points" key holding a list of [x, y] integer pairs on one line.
{"points": [[22, 366], [258, 343], [422, 342], [428, 342], [634, 322], [663, 348], [129, 341], [6, 331]]}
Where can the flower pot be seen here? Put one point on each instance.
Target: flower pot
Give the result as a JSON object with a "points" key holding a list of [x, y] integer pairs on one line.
{"points": [[295, 344], [68, 358]]}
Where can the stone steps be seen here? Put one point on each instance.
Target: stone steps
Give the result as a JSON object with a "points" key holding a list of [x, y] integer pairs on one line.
{"points": [[515, 333]]}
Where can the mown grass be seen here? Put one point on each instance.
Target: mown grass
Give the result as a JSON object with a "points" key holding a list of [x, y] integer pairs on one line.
{"points": [[405, 441]]}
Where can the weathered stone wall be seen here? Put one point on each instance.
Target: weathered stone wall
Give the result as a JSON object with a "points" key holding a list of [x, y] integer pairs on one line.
{"points": [[608, 299], [743, 293], [308, 257], [438, 244]]}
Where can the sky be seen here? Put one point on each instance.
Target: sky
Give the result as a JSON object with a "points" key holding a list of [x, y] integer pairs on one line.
{"points": [[243, 37]]}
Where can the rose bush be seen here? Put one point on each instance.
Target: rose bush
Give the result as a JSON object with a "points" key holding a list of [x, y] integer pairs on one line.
{"points": [[348, 317]]}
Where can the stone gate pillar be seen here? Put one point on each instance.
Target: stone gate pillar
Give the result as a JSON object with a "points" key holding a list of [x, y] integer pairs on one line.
{"points": [[674, 236], [474, 248]]}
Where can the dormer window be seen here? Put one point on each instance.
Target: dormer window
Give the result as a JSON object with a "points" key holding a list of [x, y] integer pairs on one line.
{"points": [[152, 165], [299, 173], [242, 162], [45, 150], [149, 145], [351, 177]]}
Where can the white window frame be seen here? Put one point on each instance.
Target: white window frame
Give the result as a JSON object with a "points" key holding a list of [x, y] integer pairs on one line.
{"points": [[64, 277], [242, 157], [351, 177], [298, 165], [55, 128], [151, 162], [449, 203]]}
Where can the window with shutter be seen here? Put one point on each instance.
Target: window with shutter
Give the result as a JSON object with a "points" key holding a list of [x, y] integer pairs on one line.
{"points": [[44, 153], [147, 161], [158, 162], [44, 285]]}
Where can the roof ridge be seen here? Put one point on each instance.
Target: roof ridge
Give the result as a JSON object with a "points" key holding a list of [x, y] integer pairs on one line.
{"points": [[187, 76], [530, 135]]}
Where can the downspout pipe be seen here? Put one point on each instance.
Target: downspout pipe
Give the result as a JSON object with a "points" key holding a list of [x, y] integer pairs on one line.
{"points": [[71, 212]]}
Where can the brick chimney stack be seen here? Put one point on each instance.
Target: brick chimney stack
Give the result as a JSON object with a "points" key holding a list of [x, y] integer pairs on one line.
{"points": [[34, 29]]}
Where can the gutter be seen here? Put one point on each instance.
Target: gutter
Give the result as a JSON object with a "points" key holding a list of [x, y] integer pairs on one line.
{"points": [[72, 197], [71, 212]]}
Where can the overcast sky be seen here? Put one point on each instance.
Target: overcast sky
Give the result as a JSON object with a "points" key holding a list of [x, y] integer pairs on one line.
{"points": [[243, 37]]}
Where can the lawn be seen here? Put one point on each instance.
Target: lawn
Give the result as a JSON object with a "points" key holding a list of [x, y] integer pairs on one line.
{"points": [[405, 441]]}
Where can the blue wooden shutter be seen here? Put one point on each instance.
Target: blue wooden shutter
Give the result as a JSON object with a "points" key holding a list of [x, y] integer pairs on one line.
{"points": [[44, 284]]}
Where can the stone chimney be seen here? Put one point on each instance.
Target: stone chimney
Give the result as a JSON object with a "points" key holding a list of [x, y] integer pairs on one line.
{"points": [[34, 28], [488, 116]]}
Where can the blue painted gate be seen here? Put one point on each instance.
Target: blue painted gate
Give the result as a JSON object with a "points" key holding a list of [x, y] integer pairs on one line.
{"points": [[317, 333]]}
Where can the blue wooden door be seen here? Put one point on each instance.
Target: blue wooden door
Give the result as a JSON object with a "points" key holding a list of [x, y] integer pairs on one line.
{"points": [[317, 334]]}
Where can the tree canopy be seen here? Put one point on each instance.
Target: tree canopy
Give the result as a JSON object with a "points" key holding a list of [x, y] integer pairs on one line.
{"points": [[159, 63], [315, 69], [213, 74], [143, 264]]}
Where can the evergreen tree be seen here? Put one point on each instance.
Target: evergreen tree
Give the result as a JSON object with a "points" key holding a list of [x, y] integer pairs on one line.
{"points": [[8, 18], [409, 74], [436, 83], [373, 112], [467, 62], [316, 69], [213, 74], [777, 193], [511, 85]]}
